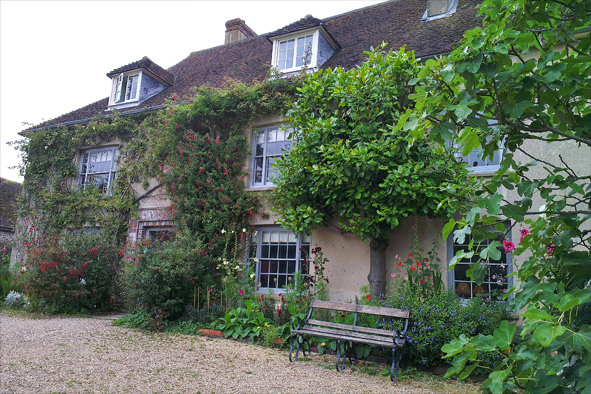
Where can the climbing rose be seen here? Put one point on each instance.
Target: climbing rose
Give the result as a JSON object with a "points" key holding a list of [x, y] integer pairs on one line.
{"points": [[368, 297]]}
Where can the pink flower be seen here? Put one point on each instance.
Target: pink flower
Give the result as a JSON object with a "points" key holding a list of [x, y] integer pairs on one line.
{"points": [[393, 275], [405, 277], [523, 232], [550, 249], [241, 292], [508, 245]]}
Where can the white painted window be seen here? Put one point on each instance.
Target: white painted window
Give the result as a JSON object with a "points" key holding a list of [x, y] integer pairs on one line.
{"points": [[280, 255], [269, 143], [98, 167], [496, 280], [294, 52], [125, 88]]}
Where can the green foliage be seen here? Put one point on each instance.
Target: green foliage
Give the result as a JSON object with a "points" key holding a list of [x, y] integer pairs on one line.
{"points": [[159, 280], [437, 318], [527, 71], [244, 322], [72, 274], [348, 162], [51, 194], [14, 299]]}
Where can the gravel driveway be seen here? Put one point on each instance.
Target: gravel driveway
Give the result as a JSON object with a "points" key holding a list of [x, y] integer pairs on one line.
{"points": [[84, 355]]}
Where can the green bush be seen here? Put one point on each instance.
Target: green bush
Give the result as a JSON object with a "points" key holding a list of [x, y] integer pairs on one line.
{"points": [[244, 322], [162, 279], [436, 318], [72, 274]]}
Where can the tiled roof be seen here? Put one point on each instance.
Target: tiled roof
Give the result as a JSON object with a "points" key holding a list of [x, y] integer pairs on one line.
{"points": [[305, 23], [397, 22], [146, 64]]}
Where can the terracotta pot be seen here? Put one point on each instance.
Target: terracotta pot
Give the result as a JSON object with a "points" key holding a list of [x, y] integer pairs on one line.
{"points": [[463, 289], [211, 333]]}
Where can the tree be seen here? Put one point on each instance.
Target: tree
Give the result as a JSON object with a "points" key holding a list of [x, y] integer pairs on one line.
{"points": [[527, 72], [347, 162]]}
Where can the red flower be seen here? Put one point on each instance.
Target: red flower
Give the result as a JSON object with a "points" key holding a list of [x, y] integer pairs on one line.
{"points": [[399, 264], [421, 281], [165, 122], [419, 263], [508, 245], [410, 255], [414, 268], [368, 297], [84, 266]]}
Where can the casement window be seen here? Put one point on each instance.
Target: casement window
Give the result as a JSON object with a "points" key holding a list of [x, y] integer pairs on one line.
{"points": [[125, 88], [279, 255], [269, 143], [497, 279], [98, 167], [295, 52], [307, 49], [475, 160]]}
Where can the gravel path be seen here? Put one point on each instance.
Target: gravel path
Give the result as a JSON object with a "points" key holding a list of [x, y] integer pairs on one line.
{"points": [[83, 355]]}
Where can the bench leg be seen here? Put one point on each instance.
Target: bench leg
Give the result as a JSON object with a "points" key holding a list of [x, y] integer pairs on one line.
{"points": [[299, 340], [396, 358]]}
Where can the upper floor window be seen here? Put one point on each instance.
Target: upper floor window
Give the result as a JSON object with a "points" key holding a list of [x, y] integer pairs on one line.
{"points": [[97, 168], [305, 49], [479, 164], [280, 255], [125, 88], [269, 144]]}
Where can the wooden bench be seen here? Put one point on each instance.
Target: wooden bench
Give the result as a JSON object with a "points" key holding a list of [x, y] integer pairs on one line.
{"points": [[302, 329]]}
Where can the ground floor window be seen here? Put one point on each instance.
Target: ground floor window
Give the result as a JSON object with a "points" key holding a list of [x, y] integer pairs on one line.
{"points": [[497, 279], [279, 255]]}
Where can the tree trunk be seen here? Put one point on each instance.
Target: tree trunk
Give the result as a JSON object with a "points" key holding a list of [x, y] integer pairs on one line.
{"points": [[377, 267]]}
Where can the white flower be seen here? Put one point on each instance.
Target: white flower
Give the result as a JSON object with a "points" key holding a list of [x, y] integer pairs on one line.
{"points": [[237, 267], [24, 268], [251, 276], [243, 230], [225, 262], [83, 281], [223, 231], [255, 260]]}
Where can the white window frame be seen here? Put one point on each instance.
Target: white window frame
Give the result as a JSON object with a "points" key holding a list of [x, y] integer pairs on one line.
{"points": [[266, 180], [487, 167], [263, 258], [85, 169], [118, 94], [313, 61], [489, 281]]}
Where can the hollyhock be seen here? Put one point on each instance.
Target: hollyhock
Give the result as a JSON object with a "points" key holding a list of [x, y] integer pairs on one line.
{"points": [[508, 245], [523, 232]]}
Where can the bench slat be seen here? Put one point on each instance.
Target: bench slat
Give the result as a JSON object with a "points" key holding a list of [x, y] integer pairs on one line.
{"points": [[367, 330], [353, 308], [349, 336]]}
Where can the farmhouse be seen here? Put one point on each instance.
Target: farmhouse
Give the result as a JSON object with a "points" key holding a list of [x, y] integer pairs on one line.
{"points": [[429, 28]]}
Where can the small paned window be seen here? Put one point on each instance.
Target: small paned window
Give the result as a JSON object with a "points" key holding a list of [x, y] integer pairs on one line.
{"points": [[295, 52], [269, 144], [98, 167], [125, 88], [280, 255], [496, 281]]}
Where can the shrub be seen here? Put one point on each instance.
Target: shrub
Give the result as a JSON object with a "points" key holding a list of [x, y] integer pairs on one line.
{"points": [[72, 274], [436, 318], [14, 299], [161, 279]]}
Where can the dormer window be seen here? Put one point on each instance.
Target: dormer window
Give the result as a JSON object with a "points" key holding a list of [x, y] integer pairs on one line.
{"points": [[125, 88], [304, 49]]}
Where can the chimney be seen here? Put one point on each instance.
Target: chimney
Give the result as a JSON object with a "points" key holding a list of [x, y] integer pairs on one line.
{"points": [[236, 30], [437, 7]]}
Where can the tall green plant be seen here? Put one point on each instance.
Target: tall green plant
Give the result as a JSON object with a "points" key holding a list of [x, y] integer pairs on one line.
{"points": [[348, 162], [522, 80]]}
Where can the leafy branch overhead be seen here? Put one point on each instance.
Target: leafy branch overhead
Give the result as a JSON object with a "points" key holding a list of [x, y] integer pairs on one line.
{"points": [[521, 82]]}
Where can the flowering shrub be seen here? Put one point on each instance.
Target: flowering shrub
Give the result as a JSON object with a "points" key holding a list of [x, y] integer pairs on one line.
{"points": [[436, 318], [71, 274], [423, 273]]}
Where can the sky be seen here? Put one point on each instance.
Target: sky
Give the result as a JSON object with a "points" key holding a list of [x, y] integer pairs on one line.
{"points": [[54, 55]]}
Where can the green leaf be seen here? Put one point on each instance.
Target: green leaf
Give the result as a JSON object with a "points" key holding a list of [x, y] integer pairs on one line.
{"points": [[546, 333], [504, 334], [448, 228], [485, 343]]}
